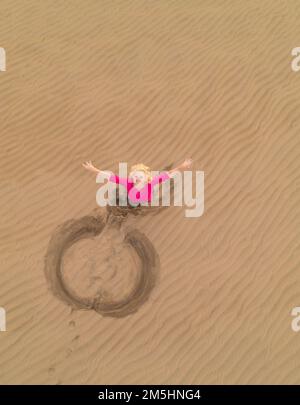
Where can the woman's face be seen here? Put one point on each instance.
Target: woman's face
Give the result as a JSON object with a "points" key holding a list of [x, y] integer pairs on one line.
{"points": [[138, 177]]}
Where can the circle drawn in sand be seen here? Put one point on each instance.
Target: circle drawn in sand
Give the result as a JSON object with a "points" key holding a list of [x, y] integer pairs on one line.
{"points": [[87, 227]]}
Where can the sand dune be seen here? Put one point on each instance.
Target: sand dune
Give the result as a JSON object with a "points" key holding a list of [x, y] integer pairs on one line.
{"points": [[153, 82]]}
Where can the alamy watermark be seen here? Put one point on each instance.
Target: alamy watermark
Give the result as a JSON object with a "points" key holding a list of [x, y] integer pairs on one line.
{"points": [[296, 61], [2, 320], [296, 320], [2, 60], [182, 194]]}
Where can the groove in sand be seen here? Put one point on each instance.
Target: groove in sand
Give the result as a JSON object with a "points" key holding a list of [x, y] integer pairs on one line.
{"points": [[86, 227]]}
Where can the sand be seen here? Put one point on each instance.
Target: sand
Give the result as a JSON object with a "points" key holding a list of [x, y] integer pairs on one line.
{"points": [[152, 82]]}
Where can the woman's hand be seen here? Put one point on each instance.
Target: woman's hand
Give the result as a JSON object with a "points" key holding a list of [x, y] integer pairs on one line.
{"points": [[187, 163], [89, 166]]}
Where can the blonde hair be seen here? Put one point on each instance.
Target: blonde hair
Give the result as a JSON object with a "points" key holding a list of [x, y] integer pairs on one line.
{"points": [[142, 168]]}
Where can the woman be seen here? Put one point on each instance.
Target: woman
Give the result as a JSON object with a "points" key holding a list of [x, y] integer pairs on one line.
{"points": [[140, 183]]}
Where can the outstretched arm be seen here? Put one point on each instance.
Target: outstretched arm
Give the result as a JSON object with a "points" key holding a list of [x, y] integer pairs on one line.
{"points": [[166, 174], [90, 167], [185, 165]]}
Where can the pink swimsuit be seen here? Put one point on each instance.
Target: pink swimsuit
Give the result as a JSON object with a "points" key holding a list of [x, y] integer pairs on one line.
{"points": [[140, 195]]}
